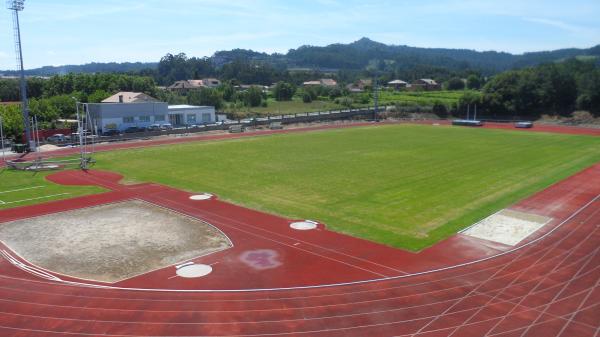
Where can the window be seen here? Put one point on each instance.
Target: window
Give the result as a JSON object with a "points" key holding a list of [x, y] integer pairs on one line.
{"points": [[127, 119], [191, 118], [159, 118], [206, 117], [144, 118]]}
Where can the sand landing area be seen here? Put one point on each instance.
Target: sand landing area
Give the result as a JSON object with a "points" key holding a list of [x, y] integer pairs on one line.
{"points": [[111, 242], [507, 226]]}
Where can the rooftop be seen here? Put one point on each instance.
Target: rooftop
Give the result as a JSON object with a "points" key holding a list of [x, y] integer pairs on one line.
{"points": [[129, 97]]}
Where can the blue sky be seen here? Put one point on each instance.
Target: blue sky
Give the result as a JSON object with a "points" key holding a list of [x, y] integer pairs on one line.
{"points": [[57, 32]]}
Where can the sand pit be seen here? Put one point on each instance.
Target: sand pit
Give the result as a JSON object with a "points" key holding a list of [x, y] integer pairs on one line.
{"points": [[111, 242], [507, 226]]}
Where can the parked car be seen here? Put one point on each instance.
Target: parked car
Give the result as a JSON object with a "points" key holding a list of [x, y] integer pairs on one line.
{"points": [[56, 138], [133, 129], [111, 132], [166, 126], [154, 127], [524, 125]]}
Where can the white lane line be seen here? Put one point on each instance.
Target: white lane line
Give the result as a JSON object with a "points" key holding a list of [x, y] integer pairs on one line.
{"points": [[30, 199], [2, 202], [21, 189], [329, 285]]}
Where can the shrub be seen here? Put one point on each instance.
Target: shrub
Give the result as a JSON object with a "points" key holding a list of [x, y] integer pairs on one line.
{"points": [[582, 116]]}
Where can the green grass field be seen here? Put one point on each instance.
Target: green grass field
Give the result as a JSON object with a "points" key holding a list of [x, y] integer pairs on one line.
{"points": [[275, 108], [425, 98], [25, 188], [406, 186]]}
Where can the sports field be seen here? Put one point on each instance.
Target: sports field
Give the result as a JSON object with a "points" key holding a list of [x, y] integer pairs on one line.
{"points": [[26, 188], [406, 186]]}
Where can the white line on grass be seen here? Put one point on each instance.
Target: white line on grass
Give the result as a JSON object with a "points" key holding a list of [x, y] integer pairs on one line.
{"points": [[30, 199], [21, 189]]}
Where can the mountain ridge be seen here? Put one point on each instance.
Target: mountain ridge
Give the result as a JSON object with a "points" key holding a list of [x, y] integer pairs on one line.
{"points": [[358, 55]]}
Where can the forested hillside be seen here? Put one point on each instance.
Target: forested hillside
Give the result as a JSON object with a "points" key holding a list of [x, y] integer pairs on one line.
{"points": [[363, 54]]}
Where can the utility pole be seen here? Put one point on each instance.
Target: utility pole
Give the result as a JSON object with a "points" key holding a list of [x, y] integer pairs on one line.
{"points": [[2, 139], [16, 6], [375, 98]]}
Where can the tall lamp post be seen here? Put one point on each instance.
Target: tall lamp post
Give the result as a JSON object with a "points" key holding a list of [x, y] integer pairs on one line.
{"points": [[2, 140], [376, 98], [16, 6]]}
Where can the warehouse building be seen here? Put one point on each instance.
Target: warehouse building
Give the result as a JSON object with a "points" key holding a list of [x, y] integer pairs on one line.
{"points": [[126, 110]]}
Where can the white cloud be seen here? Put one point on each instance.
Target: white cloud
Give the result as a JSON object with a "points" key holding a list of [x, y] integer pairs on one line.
{"points": [[558, 24]]}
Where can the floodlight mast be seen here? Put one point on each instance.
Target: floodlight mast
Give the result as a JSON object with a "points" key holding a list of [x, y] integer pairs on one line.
{"points": [[16, 6]]}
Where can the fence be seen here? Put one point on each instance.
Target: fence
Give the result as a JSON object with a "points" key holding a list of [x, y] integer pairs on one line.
{"points": [[306, 117]]}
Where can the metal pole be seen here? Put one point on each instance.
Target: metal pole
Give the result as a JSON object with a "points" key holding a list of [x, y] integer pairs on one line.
{"points": [[93, 126], [475, 117], [2, 139], [36, 136], [468, 106], [23, 84], [376, 99], [79, 131]]}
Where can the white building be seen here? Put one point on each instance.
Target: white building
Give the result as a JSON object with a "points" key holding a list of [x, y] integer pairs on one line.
{"points": [[191, 114], [120, 116], [125, 110]]}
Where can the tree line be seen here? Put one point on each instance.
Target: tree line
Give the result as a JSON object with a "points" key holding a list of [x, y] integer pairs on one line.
{"points": [[556, 88], [553, 89]]}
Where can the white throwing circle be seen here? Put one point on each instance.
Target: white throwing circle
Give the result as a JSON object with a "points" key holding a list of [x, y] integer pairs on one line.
{"points": [[303, 225], [203, 196], [194, 270]]}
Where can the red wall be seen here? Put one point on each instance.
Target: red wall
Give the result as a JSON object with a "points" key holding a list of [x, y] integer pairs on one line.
{"points": [[43, 134]]}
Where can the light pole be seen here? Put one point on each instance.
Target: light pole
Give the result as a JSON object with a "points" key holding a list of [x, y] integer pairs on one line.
{"points": [[2, 139], [376, 99], [80, 133], [16, 6]]}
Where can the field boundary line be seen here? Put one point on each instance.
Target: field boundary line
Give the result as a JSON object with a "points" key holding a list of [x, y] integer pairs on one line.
{"points": [[30, 199], [21, 189]]}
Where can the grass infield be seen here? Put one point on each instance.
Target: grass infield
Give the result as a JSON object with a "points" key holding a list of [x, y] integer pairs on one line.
{"points": [[406, 186]]}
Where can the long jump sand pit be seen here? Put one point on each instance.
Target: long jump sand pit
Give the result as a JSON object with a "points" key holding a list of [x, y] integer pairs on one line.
{"points": [[111, 242], [508, 227]]}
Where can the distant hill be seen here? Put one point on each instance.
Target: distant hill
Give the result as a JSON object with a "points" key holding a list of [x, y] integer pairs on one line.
{"points": [[358, 55], [111, 67], [366, 53]]}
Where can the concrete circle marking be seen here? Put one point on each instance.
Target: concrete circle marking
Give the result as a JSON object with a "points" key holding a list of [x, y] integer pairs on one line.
{"points": [[194, 270], [203, 196], [303, 225]]}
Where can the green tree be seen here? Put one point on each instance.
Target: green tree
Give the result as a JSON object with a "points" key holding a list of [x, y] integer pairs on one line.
{"points": [[455, 83], [306, 97], [64, 105], [228, 91], [440, 109], [12, 121], [253, 96], [45, 112], [474, 82], [206, 96], [284, 91], [98, 96]]}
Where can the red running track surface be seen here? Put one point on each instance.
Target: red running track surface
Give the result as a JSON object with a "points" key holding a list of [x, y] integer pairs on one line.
{"points": [[548, 286]]}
